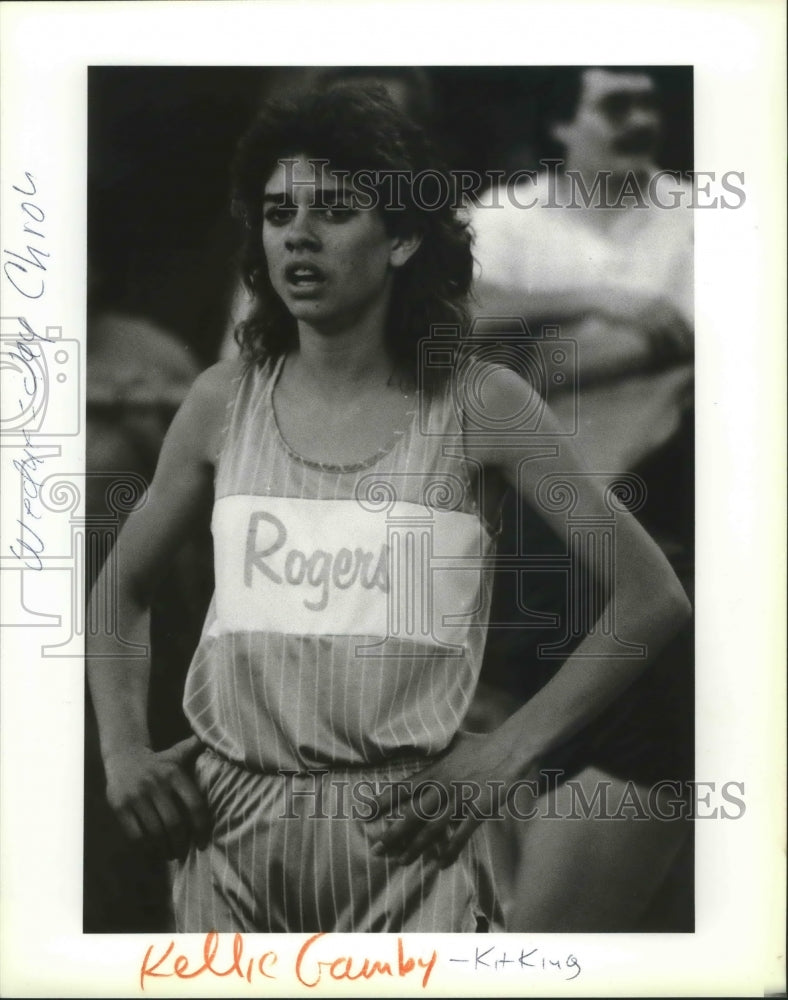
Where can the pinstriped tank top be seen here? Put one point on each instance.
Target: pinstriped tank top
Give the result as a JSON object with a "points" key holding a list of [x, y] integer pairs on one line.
{"points": [[349, 617]]}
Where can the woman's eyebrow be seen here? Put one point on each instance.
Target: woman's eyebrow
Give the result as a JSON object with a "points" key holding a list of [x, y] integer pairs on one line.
{"points": [[322, 195]]}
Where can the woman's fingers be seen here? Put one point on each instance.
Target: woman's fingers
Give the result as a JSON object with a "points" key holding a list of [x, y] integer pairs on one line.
{"points": [[428, 822], [194, 806], [191, 800], [157, 799], [461, 833], [432, 837], [176, 833], [442, 838], [435, 811], [151, 830], [184, 752], [130, 825]]}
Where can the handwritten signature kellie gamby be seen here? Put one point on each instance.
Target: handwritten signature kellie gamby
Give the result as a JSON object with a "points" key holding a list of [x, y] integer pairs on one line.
{"points": [[312, 964], [317, 962]]}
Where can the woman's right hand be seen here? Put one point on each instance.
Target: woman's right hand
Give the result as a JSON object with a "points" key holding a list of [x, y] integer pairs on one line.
{"points": [[156, 799]]}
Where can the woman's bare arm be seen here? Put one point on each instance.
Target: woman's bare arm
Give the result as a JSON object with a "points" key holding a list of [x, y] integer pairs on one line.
{"points": [[152, 794], [645, 595]]}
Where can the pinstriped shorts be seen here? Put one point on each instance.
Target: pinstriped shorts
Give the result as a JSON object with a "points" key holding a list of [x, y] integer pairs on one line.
{"points": [[292, 853]]}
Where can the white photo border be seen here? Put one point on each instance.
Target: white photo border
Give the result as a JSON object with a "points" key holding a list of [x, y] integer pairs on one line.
{"points": [[738, 53]]}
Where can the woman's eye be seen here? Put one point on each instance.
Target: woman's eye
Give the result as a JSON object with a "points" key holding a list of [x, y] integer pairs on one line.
{"points": [[277, 216], [337, 213]]}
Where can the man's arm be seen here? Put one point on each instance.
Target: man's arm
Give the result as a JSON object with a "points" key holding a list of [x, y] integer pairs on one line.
{"points": [[619, 331]]}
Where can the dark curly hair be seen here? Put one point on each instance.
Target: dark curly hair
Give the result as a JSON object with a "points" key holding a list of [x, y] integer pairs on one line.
{"points": [[354, 128]]}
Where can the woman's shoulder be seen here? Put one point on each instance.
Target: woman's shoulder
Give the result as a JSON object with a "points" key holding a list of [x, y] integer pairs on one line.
{"points": [[490, 386], [204, 411], [214, 388], [215, 385], [501, 404]]}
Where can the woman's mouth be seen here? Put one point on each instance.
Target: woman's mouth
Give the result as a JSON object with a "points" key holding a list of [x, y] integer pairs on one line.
{"points": [[304, 276]]}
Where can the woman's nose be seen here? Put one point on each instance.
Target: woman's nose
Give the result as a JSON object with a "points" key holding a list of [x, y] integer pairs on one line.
{"points": [[301, 232]]}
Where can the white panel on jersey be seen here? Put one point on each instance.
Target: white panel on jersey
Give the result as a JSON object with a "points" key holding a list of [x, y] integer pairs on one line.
{"points": [[332, 567]]}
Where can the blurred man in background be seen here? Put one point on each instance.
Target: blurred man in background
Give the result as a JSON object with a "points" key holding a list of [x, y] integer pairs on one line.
{"points": [[604, 249], [592, 246]]}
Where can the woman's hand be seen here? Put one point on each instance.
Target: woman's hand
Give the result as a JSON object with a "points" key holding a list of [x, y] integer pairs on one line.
{"points": [[437, 810], [156, 799]]}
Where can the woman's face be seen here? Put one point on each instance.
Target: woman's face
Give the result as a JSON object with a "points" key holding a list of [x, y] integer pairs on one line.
{"points": [[329, 261]]}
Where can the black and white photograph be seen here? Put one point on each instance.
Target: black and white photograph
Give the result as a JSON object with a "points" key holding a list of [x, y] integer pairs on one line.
{"points": [[375, 516], [422, 427]]}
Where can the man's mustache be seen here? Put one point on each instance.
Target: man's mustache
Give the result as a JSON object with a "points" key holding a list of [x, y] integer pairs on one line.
{"points": [[641, 140]]}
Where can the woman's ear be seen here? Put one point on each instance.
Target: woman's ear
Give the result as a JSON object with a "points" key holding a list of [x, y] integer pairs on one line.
{"points": [[403, 248]]}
